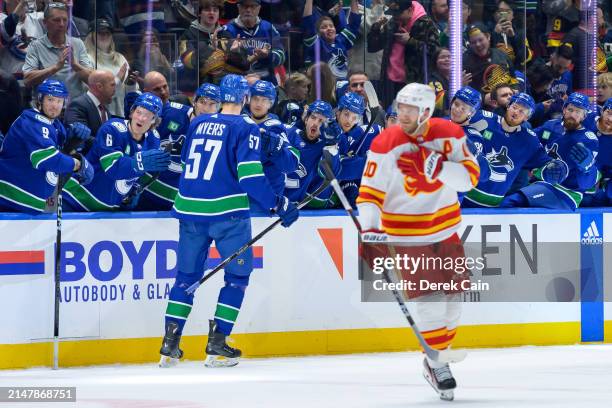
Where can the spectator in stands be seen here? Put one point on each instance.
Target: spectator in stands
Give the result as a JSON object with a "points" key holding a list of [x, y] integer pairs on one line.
{"points": [[27, 22], [539, 80], [323, 44], [100, 46], [356, 84], [91, 108], [323, 83], [409, 40], [604, 88], [500, 98], [294, 95], [55, 55], [439, 81], [196, 45], [562, 16], [562, 85], [134, 16], [150, 56], [488, 66], [10, 101], [507, 37], [78, 26], [439, 14], [14, 44], [263, 42]]}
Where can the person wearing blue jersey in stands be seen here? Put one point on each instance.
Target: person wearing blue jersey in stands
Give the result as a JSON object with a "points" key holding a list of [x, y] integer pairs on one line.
{"points": [[222, 173]]}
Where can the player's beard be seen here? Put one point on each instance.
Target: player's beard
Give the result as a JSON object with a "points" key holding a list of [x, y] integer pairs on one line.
{"points": [[570, 124]]}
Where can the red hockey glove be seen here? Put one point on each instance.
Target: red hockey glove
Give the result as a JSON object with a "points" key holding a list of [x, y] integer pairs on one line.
{"points": [[423, 162]]}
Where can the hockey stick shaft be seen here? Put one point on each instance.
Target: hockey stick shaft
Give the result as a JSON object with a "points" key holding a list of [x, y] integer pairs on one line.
{"points": [[191, 289], [445, 356]]}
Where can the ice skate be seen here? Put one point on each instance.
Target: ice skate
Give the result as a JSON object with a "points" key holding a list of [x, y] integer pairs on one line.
{"points": [[219, 354], [170, 351], [441, 379]]}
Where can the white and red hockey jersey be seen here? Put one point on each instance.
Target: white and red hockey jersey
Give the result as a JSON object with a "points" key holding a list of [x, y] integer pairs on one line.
{"points": [[408, 209]]}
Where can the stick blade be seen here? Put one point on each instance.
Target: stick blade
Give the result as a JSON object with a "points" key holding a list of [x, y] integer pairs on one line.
{"points": [[371, 93], [447, 356]]}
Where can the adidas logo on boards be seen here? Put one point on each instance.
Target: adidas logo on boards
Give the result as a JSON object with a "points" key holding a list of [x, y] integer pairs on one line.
{"points": [[591, 236]]}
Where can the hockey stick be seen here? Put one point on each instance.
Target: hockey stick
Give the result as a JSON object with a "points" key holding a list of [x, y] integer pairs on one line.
{"points": [[135, 192], [69, 149], [253, 240], [443, 356]]}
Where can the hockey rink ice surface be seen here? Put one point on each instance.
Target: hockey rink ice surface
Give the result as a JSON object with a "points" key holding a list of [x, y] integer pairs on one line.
{"points": [[563, 376]]}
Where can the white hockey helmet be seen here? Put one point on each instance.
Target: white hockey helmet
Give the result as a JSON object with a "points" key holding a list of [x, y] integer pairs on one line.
{"points": [[420, 95]]}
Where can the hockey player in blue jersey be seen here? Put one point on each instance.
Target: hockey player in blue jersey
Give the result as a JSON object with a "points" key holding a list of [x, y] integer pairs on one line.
{"points": [[123, 151], [465, 104], [175, 119], [31, 157], [260, 38], [567, 141], [509, 146], [601, 195], [277, 155], [353, 143], [391, 116], [323, 44], [223, 172], [311, 143]]}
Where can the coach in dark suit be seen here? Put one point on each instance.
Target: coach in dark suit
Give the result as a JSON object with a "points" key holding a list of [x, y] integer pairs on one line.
{"points": [[91, 108]]}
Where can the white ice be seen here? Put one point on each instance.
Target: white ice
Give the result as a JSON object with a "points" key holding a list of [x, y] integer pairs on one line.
{"points": [[564, 376]]}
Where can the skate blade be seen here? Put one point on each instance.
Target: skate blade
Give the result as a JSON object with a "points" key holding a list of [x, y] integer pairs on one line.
{"points": [[167, 362], [445, 395], [220, 361]]}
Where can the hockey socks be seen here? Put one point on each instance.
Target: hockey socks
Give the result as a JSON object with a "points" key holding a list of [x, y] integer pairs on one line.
{"points": [[228, 305], [179, 306]]}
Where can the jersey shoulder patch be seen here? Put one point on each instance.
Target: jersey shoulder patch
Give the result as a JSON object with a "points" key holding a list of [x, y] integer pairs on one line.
{"points": [[248, 120], [119, 126], [272, 122], [530, 132], [487, 114], [43, 119], [590, 135], [177, 105], [155, 133]]}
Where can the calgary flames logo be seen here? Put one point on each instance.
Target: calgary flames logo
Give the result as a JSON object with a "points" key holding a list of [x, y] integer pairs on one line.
{"points": [[417, 182]]}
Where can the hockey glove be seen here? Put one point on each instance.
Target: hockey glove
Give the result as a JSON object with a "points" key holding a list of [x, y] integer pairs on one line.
{"points": [[286, 210], [176, 144], [85, 174], [80, 131], [271, 143], [151, 160], [555, 172], [351, 191], [331, 155], [581, 156], [423, 162], [331, 133]]}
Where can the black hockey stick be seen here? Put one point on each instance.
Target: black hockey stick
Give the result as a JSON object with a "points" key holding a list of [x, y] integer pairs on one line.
{"points": [[70, 149], [253, 240], [444, 356], [135, 192]]}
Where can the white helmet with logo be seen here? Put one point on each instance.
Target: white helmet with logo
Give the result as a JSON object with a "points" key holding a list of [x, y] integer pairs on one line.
{"points": [[420, 95]]}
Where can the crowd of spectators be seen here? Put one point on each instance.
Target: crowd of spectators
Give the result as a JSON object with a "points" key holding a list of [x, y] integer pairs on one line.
{"points": [[310, 49]]}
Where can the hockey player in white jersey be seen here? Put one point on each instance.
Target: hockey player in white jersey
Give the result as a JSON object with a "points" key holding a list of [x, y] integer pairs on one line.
{"points": [[408, 195]]}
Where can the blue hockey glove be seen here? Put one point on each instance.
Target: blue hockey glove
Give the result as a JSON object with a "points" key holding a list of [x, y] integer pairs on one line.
{"points": [[331, 155], [85, 173], [151, 160], [555, 172], [79, 130], [286, 210], [331, 133], [271, 143], [581, 156], [351, 191]]}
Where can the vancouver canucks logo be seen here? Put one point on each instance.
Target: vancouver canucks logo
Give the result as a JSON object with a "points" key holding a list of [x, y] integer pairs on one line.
{"points": [[500, 161], [338, 66], [553, 151]]}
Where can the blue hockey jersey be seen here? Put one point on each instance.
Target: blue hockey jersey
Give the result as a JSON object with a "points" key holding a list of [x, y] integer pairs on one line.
{"points": [[263, 35], [222, 170], [558, 143], [335, 54], [112, 159], [30, 160], [353, 147], [160, 194], [558, 91], [507, 153]]}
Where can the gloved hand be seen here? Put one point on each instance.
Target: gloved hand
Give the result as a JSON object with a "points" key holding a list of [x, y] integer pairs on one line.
{"points": [[151, 160], [286, 210], [331, 155], [331, 133], [351, 191], [271, 143], [174, 144], [79, 130], [555, 172], [85, 174], [581, 156], [421, 163]]}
